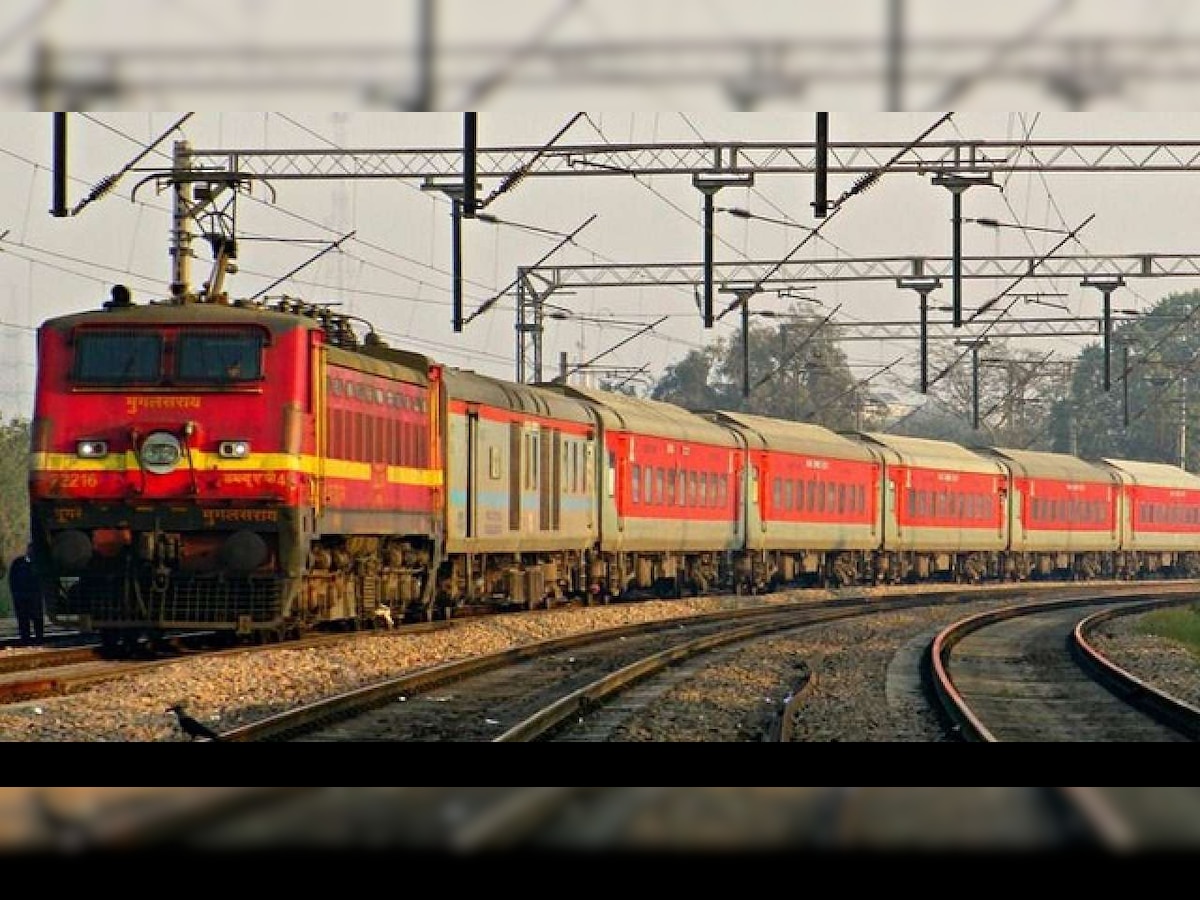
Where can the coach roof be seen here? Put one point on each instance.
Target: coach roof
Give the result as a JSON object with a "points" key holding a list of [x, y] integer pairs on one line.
{"points": [[1040, 464], [1156, 474], [930, 454], [619, 412], [471, 387], [793, 437]]}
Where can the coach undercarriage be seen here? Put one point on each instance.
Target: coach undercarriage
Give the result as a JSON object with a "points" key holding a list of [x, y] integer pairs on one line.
{"points": [[375, 581]]}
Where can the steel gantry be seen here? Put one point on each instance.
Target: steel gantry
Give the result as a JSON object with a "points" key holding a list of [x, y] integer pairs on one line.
{"points": [[538, 283], [705, 157], [710, 164]]}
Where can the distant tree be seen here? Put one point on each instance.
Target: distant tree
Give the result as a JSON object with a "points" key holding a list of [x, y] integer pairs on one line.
{"points": [[689, 382], [14, 496], [796, 371], [1018, 390], [1159, 421]]}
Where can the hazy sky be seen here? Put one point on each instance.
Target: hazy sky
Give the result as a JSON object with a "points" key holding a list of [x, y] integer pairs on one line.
{"points": [[499, 54], [396, 271], [498, 57]]}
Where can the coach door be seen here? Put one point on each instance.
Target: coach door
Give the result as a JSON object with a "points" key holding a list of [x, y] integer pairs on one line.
{"points": [[550, 482], [473, 464], [515, 468]]}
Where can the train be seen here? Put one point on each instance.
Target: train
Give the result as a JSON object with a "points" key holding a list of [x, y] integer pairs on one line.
{"points": [[259, 469]]}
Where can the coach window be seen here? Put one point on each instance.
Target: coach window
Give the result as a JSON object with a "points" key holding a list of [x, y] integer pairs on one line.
{"points": [[670, 498], [636, 484], [659, 479], [118, 357], [218, 357]]}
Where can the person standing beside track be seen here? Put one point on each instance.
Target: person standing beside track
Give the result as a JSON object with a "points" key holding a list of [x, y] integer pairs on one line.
{"points": [[27, 598]]}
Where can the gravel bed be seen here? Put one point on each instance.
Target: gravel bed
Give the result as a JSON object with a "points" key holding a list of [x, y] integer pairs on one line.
{"points": [[228, 691], [842, 669], [848, 674], [1158, 661], [852, 695]]}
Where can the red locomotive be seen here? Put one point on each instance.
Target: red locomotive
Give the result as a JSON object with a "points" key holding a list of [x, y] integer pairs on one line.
{"points": [[203, 466], [261, 470]]}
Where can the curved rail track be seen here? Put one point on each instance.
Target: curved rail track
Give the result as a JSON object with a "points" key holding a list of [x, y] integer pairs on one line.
{"points": [[1018, 674], [483, 819], [531, 692], [534, 691]]}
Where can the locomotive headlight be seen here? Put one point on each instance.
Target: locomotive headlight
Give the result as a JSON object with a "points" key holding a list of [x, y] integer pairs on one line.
{"points": [[233, 449], [91, 449], [160, 453]]}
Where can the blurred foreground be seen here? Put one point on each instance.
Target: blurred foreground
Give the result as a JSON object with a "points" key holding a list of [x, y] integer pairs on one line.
{"points": [[424, 55], [479, 820]]}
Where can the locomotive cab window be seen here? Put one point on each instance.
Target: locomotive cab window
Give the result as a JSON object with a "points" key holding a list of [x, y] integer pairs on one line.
{"points": [[118, 357], [219, 357]]}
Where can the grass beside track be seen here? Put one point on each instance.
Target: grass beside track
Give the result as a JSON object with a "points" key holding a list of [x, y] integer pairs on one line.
{"points": [[1181, 624]]}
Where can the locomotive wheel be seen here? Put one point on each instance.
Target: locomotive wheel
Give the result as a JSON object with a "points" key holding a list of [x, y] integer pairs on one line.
{"points": [[112, 642]]}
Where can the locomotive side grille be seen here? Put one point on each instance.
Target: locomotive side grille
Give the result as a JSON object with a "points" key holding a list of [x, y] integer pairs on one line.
{"points": [[185, 602]]}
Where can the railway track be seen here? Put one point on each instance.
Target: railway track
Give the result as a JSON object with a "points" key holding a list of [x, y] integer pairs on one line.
{"points": [[531, 692], [1019, 674], [51, 672], [563, 689], [483, 819]]}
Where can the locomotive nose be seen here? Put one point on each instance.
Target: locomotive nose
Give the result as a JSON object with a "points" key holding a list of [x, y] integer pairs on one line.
{"points": [[71, 550]]}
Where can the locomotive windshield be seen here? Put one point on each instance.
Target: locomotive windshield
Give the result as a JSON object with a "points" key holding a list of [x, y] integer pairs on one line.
{"points": [[118, 357], [219, 357], [151, 358]]}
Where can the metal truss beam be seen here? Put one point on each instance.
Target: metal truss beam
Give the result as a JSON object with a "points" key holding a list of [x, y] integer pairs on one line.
{"points": [[994, 328], [879, 268], [760, 158]]}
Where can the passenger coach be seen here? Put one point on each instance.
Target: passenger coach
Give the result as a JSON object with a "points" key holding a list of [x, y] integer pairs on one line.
{"points": [[521, 510], [944, 512], [813, 502], [1062, 514], [1159, 519], [670, 499]]}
